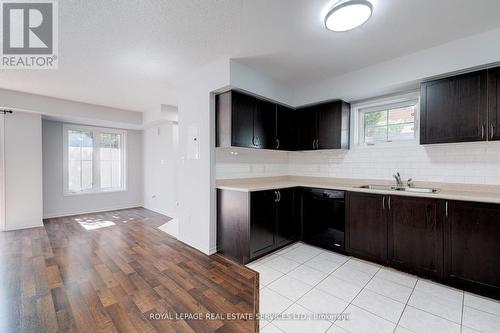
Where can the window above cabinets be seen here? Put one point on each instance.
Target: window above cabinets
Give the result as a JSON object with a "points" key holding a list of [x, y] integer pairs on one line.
{"points": [[387, 120], [94, 159]]}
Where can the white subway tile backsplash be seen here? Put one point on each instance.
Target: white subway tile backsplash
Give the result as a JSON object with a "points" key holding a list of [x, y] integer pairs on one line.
{"points": [[474, 163]]}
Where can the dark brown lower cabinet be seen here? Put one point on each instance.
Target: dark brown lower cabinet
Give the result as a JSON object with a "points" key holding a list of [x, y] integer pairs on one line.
{"points": [[286, 218], [366, 226], [252, 224], [262, 222], [415, 239], [472, 247]]}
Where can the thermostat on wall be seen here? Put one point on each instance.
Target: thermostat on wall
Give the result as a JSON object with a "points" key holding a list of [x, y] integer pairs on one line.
{"points": [[193, 151]]}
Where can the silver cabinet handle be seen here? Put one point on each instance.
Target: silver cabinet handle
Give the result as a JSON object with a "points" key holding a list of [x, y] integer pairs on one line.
{"points": [[446, 209], [389, 203], [275, 196], [383, 202], [482, 131], [314, 143], [279, 196], [492, 131], [277, 143], [317, 143]]}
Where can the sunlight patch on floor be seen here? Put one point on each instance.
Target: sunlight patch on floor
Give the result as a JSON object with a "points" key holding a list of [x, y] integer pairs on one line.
{"points": [[171, 228], [93, 224]]}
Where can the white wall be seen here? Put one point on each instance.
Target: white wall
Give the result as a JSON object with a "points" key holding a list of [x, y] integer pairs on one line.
{"points": [[23, 170], [54, 201], [404, 73], [70, 111], [197, 225], [160, 145], [246, 78]]}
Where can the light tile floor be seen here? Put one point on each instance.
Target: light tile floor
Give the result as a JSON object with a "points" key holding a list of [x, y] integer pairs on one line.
{"points": [[301, 280]]}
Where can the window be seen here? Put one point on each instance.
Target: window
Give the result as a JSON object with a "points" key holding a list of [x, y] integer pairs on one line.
{"points": [[388, 121], [94, 159]]}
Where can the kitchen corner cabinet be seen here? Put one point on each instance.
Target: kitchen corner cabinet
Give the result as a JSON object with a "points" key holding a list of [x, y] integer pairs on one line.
{"points": [[454, 109], [285, 128], [472, 247], [494, 103], [415, 237], [246, 121], [323, 126], [366, 226], [306, 121], [333, 125], [252, 224]]}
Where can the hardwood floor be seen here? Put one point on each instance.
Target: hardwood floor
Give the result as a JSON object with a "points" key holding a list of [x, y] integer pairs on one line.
{"points": [[63, 277]]}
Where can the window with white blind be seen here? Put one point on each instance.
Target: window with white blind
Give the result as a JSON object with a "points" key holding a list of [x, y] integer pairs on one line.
{"points": [[94, 159]]}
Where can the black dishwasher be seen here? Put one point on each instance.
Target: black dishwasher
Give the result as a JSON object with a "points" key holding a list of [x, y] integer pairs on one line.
{"points": [[323, 218]]}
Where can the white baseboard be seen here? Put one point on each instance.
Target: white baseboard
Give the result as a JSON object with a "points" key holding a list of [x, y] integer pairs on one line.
{"points": [[24, 227], [90, 211]]}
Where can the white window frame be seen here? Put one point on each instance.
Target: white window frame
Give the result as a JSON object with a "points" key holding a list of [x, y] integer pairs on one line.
{"points": [[96, 174], [395, 101]]}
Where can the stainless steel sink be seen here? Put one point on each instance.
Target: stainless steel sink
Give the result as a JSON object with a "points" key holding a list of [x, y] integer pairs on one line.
{"points": [[379, 187], [402, 189], [420, 189]]}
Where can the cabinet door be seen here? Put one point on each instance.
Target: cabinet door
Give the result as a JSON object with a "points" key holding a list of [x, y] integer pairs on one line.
{"points": [[286, 226], [243, 107], [416, 235], [454, 109], [285, 134], [329, 125], [472, 246], [366, 229], [262, 222], [494, 103], [264, 125], [305, 124]]}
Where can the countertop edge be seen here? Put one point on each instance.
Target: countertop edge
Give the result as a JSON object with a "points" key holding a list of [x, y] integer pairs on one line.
{"points": [[442, 195]]}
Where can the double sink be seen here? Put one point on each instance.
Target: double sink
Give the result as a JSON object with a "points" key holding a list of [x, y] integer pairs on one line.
{"points": [[401, 189]]}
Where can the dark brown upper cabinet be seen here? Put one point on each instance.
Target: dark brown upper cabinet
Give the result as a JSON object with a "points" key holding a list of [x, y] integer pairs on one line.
{"points": [[323, 126], [305, 126], [246, 121], [454, 109], [264, 125], [494, 103], [415, 241], [285, 128], [333, 125], [472, 246]]}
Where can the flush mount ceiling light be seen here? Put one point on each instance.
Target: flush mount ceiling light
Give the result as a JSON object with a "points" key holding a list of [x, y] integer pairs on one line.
{"points": [[347, 15]]}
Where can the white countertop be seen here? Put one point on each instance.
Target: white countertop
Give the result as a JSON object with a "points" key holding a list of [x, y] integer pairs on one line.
{"points": [[447, 191]]}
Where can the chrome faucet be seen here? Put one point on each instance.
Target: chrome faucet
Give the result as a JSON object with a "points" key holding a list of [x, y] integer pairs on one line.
{"points": [[399, 182]]}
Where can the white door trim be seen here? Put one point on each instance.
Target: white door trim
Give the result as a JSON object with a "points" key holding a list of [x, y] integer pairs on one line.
{"points": [[2, 172]]}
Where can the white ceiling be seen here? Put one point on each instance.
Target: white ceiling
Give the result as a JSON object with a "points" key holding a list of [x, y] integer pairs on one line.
{"points": [[128, 54]]}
